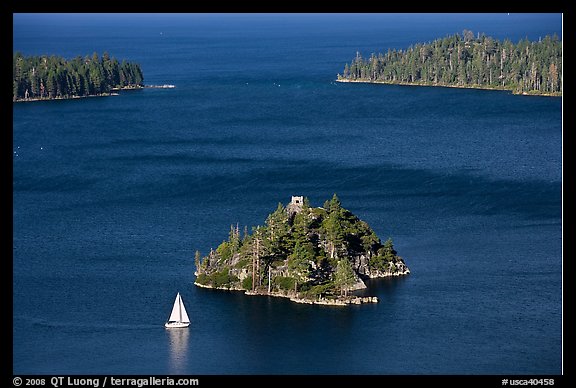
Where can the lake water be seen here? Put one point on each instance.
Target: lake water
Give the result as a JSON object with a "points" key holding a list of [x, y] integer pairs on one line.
{"points": [[112, 196]]}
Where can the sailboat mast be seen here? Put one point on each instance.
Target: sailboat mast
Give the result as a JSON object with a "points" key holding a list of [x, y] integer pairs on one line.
{"points": [[180, 307]]}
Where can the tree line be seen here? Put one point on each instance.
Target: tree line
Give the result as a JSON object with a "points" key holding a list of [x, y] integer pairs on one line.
{"points": [[463, 60], [50, 77]]}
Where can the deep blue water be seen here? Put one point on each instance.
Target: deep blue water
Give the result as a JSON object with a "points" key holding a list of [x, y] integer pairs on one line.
{"points": [[112, 196]]}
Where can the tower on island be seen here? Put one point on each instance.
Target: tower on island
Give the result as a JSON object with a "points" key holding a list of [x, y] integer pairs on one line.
{"points": [[295, 205]]}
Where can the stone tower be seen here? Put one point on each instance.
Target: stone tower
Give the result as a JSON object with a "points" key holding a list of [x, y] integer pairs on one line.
{"points": [[295, 205]]}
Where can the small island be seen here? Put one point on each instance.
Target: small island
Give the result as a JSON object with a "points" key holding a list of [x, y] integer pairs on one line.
{"points": [[37, 78], [466, 61], [314, 255]]}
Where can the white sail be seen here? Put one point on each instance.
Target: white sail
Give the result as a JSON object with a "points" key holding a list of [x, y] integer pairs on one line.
{"points": [[175, 315], [184, 316]]}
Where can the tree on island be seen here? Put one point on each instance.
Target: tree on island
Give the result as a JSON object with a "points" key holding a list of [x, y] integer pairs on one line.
{"points": [[344, 277], [332, 225]]}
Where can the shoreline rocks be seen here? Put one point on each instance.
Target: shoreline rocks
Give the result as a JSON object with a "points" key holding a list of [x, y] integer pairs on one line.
{"points": [[341, 301]]}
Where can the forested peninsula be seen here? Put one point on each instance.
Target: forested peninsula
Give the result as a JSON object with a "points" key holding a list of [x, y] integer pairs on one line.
{"points": [[467, 61], [313, 255], [51, 77]]}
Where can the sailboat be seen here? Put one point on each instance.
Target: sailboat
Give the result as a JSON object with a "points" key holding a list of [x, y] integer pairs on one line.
{"points": [[178, 317]]}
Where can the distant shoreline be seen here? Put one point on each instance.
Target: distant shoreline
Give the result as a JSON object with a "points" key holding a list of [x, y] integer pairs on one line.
{"points": [[65, 98], [365, 81], [112, 93]]}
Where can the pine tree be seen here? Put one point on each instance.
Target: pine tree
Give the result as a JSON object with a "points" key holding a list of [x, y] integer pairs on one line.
{"points": [[276, 233], [333, 227], [197, 258], [344, 277], [303, 252], [234, 239]]}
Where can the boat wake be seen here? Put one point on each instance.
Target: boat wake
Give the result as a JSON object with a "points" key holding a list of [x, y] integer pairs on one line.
{"points": [[165, 86]]}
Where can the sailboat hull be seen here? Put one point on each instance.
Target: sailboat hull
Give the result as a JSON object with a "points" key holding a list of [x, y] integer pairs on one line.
{"points": [[176, 325]]}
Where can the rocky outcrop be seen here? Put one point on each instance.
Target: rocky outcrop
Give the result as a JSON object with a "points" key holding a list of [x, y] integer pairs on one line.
{"points": [[228, 287], [338, 301], [395, 267]]}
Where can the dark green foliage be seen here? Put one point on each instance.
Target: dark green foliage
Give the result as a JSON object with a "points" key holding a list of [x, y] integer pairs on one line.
{"points": [[344, 277], [203, 278], [283, 283], [222, 278], [465, 61], [48, 77], [318, 291], [275, 234], [368, 239], [299, 266], [243, 263], [224, 250], [302, 247], [388, 250], [333, 205], [247, 283], [384, 260]]}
